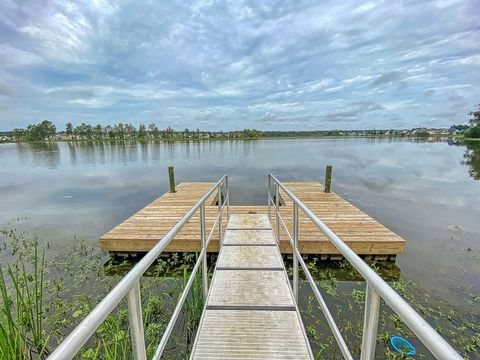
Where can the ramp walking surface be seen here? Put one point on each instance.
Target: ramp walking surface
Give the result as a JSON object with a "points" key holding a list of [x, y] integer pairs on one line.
{"points": [[250, 310]]}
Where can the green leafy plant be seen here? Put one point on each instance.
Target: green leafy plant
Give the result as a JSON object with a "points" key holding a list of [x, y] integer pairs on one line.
{"points": [[22, 335]]}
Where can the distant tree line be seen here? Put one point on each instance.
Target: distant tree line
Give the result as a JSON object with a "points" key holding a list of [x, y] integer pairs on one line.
{"points": [[46, 130], [128, 131], [143, 132]]}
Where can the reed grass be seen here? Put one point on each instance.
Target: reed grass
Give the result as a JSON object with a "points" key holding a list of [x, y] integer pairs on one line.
{"points": [[36, 313], [22, 334]]}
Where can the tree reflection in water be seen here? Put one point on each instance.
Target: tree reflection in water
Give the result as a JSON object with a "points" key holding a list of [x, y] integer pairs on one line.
{"points": [[471, 157]]}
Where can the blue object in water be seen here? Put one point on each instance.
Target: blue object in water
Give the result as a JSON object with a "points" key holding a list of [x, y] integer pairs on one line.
{"points": [[402, 346]]}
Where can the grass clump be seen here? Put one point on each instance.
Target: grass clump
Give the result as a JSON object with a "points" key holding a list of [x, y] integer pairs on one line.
{"points": [[41, 301], [22, 333]]}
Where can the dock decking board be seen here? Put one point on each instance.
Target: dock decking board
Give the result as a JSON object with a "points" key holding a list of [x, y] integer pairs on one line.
{"points": [[273, 333], [250, 288], [250, 314], [247, 257], [143, 230], [246, 237], [361, 232]]}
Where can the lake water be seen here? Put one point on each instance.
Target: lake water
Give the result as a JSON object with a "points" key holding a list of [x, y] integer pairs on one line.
{"points": [[427, 192]]}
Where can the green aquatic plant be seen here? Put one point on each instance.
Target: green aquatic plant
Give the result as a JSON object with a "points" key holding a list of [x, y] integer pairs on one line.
{"points": [[194, 303], [22, 334], [111, 340], [345, 299], [359, 296], [62, 303], [53, 292]]}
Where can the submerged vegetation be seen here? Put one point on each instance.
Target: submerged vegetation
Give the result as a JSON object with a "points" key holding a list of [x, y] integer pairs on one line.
{"points": [[43, 298], [346, 300]]}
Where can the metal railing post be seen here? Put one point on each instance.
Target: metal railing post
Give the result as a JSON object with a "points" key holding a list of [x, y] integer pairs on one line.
{"points": [[204, 245], [370, 323], [269, 196], [295, 248], [136, 322], [220, 213], [277, 212], [227, 190]]}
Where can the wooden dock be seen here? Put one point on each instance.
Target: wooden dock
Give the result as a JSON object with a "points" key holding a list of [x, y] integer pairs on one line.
{"points": [[362, 233], [250, 312]]}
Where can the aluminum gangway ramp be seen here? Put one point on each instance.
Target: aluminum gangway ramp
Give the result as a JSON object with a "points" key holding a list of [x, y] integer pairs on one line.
{"points": [[250, 311]]}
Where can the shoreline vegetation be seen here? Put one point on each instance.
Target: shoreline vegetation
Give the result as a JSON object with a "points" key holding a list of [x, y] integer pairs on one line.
{"points": [[457, 137], [46, 131], [234, 139], [184, 139]]}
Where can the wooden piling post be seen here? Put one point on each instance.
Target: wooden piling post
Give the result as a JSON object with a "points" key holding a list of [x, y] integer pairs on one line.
{"points": [[171, 178], [328, 178]]}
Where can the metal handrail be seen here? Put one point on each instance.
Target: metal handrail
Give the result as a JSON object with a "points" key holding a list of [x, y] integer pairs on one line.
{"points": [[129, 287], [297, 256], [376, 287]]}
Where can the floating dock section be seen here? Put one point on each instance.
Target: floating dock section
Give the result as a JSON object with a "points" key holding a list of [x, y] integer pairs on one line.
{"points": [[366, 236]]}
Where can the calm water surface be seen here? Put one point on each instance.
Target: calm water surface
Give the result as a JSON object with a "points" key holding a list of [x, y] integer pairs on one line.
{"points": [[426, 192]]}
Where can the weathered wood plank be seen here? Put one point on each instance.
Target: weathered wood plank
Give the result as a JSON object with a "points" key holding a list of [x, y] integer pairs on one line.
{"points": [[363, 234]]}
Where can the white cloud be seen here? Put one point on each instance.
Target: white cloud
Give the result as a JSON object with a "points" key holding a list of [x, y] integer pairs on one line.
{"points": [[238, 64], [14, 57], [469, 60], [365, 7], [91, 103]]}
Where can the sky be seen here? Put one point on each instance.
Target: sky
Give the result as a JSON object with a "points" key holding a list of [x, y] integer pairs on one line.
{"points": [[227, 65]]}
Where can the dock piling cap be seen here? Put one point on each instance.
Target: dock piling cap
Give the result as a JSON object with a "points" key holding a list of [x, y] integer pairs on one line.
{"points": [[402, 345]]}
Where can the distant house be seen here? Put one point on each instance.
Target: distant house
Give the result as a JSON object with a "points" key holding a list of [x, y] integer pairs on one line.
{"points": [[438, 131], [62, 137], [458, 129]]}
